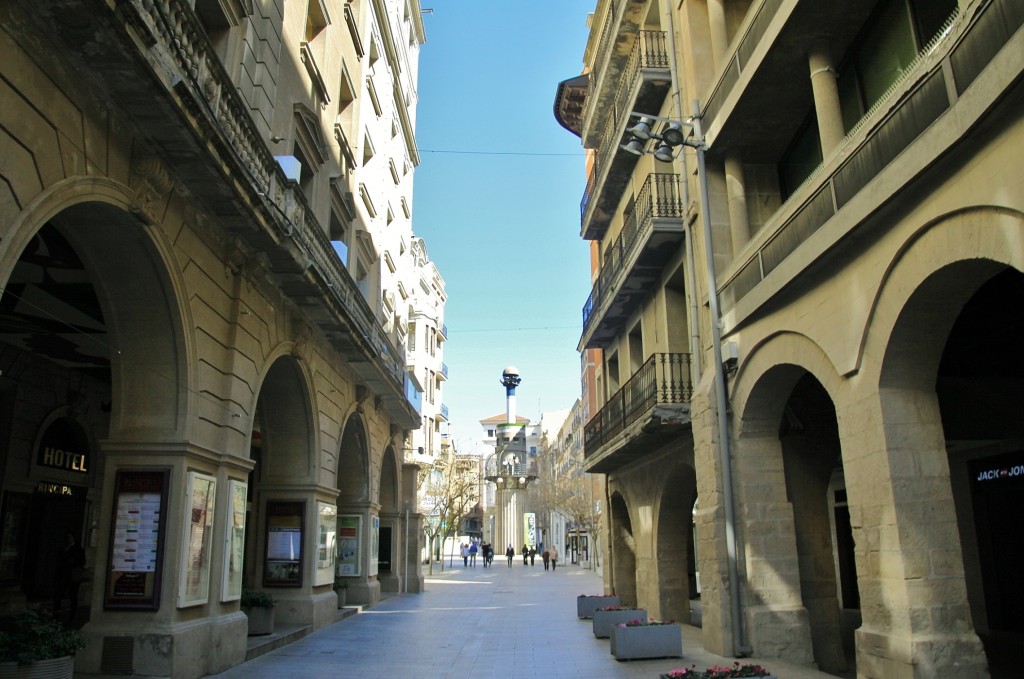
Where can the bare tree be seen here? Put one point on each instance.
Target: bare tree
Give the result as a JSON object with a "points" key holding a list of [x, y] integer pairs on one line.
{"points": [[451, 491], [571, 494]]}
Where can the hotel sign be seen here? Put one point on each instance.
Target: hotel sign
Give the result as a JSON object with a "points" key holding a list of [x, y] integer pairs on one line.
{"points": [[63, 446]]}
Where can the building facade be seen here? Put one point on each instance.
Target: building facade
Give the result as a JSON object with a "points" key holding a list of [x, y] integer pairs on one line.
{"points": [[206, 213], [828, 409]]}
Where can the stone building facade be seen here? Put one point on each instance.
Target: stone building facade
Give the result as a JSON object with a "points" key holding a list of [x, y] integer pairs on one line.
{"points": [[856, 507], [204, 215]]}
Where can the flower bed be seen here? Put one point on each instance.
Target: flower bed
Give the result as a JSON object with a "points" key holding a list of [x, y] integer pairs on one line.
{"points": [[737, 669], [586, 604], [608, 617], [652, 640]]}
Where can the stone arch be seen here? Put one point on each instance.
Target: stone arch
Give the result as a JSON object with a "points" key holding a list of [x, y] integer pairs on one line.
{"points": [[787, 459], [284, 420], [623, 546], [390, 488], [941, 390], [353, 474], [139, 292], [674, 543]]}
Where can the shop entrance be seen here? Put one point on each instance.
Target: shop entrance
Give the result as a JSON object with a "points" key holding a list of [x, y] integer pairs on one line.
{"points": [[51, 515]]}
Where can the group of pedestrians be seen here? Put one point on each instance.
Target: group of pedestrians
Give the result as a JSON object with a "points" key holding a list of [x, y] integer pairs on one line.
{"points": [[549, 556], [469, 552]]}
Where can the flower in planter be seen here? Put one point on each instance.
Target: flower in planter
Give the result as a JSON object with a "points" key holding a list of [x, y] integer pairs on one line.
{"points": [[683, 673], [735, 670]]}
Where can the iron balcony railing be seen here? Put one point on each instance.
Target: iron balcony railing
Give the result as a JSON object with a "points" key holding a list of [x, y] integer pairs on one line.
{"points": [[660, 197], [493, 470], [662, 379], [650, 51]]}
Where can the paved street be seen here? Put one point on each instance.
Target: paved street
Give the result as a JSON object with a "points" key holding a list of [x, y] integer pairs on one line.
{"points": [[478, 623]]}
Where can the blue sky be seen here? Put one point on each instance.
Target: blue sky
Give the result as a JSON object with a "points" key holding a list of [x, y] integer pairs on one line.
{"points": [[496, 199]]}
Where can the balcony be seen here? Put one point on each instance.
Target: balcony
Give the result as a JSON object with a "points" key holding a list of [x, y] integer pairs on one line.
{"points": [[921, 101], [643, 86], [443, 372], [526, 470], [161, 68], [652, 408], [444, 412], [650, 236]]}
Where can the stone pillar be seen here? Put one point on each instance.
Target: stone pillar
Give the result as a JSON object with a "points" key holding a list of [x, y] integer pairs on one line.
{"points": [[736, 192], [826, 98], [719, 34], [916, 618]]}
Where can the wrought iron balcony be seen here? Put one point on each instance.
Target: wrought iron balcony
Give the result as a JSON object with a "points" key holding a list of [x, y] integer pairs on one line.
{"points": [[649, 409], [643, 86], [649, 237], [493, 470]]}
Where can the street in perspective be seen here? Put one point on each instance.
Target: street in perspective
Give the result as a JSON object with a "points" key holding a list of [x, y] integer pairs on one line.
{"points": [[477, 623]]}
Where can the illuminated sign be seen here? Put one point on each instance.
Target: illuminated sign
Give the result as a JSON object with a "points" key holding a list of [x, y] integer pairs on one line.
{"points": [[64, 446]]}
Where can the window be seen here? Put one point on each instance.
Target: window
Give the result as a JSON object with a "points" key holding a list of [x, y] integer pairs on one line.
{"points": [[316, 19]]}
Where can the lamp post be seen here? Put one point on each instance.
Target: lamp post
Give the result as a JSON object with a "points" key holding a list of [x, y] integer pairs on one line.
{"points": [[670, 138]]}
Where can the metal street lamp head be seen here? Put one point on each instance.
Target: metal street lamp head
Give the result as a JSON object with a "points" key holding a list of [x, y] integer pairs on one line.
{"points": [[635, 146], [665, 153], [642, 130], [673, 135]]}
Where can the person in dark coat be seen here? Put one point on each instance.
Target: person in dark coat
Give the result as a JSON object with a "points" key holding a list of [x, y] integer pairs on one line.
{"points": [[67, 576], [510, 553]]}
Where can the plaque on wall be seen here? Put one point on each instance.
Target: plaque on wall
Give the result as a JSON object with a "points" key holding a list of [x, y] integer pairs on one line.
{"points": [[282, 565], [138, 525]]}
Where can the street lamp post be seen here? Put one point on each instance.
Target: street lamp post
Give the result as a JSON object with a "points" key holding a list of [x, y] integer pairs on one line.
{"points": [[671, 137]]}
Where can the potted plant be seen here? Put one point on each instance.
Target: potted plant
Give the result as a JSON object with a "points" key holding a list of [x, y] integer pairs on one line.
{"points": [[341, 589], [636, 639], [259, 607], [32, 645]]}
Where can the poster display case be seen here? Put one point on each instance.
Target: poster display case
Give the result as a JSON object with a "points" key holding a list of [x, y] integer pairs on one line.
{"points": [[137, 535], [350, 530], [234, 541], [283, 565], [197, 540], [327, 532]]}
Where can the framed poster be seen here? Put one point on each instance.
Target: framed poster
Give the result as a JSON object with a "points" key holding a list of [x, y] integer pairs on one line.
{"points": [[282, 565], [374, 545], [197, 540], [138, 525], [234, 541], [327, 532], [350, 529]]}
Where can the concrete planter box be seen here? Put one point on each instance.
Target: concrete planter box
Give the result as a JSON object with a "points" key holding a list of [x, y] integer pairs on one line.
{"points": [[54, 668], [647, 641], [605, 620], [261, 620], [586, 605]]}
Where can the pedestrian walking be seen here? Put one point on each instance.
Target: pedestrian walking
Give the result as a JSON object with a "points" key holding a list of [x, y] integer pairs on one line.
{"points": [[533, 553], [546, 558], [526, 554], [465, 555], [554, 557], [472, 555], [510, 553]]}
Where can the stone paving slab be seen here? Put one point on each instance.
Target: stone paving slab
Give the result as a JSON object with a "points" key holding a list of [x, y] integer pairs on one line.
{"points": [[477, 623]]}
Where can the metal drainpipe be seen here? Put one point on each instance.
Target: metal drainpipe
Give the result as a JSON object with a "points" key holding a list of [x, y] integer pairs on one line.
{"points": [[691, 282], [740, 648], [406, 569]]}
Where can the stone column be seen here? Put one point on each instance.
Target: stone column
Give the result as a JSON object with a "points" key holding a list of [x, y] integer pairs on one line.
{"points": [[826, 98], [739, 222], [719, 35]]}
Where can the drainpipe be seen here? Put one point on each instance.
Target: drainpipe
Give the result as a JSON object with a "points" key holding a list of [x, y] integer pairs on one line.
{"points": [[691, 283], [740, 648], [405, 586]]}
